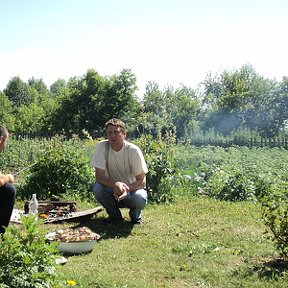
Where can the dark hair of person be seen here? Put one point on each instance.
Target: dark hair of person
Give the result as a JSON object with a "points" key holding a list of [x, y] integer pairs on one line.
{"points": [[116, 122]]}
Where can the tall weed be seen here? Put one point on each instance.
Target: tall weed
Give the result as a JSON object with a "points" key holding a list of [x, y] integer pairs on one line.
{"points": [[26, 259]]}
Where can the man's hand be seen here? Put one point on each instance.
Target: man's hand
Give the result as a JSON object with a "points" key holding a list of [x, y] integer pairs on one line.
{"points": [[121, 197], [120, 190]]}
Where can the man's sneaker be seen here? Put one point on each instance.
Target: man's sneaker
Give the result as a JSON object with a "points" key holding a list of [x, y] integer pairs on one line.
{"points": [[137, 222], [113, 220]]}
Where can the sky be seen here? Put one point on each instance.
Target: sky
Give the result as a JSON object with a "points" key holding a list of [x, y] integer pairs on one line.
{"points": [[170, 42]]}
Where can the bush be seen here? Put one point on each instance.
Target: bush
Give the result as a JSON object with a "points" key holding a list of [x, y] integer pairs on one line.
{"points": [[275, 216], [26, 259], [232, 187], [62, 169], [161, 165]]}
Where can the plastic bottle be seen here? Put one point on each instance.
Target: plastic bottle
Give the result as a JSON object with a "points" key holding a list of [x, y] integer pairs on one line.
{"points": [[33, 205]]}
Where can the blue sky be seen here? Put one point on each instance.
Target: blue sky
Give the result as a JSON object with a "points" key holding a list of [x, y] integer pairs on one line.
{"points": [[171, 42]]}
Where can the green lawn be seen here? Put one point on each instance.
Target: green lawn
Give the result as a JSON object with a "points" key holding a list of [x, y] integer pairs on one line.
{"points": [[194, 242]]}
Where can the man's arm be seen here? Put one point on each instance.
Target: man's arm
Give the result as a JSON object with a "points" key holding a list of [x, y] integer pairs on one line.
{"points": [[119, 188], [102, 178], [139, 183]]}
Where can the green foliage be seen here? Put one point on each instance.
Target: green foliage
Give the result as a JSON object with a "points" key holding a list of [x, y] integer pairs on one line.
{"points": [[234, 187], [160, 161], [6, 108], [242, 98], [18, 92], [242, 174], [21, 153], [275, 216], [26, 259], [61, 170], [233, 100], [178, 108], [29, 117], [89, 101], [235, 173]]}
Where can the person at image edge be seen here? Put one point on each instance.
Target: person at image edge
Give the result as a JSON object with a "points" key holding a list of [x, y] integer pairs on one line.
{"points": [[7, 189]]}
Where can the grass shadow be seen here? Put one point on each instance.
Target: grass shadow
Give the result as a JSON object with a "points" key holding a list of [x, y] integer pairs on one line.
{"points": [[268, 270], [107, 230], [271, 269]]}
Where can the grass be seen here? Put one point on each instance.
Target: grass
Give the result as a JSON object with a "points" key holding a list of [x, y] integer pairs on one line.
{"points": [[194, 242]]}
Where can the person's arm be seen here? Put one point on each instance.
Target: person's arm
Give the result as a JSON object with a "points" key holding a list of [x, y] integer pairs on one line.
{"points": [[119, 188], [102, 178], [6, 178], [139, 183]]}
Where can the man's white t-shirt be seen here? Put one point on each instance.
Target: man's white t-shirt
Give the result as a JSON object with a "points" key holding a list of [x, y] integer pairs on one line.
{"points": [[122, 165]]}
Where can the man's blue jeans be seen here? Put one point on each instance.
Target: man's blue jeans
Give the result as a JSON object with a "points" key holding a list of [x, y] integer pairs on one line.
{"points": [[135, 201]]}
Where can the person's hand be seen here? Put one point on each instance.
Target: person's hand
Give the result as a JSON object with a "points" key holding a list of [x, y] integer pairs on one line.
{"points": [[120, 190], [122, 196]]}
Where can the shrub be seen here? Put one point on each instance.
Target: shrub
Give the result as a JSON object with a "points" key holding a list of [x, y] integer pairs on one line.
{"points": [[161, 164], [26, 259], [61, 170], [275, 216], [232, 187]]}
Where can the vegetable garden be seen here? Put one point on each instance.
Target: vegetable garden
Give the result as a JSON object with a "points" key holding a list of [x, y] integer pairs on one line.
{"points": [[209, 176]]}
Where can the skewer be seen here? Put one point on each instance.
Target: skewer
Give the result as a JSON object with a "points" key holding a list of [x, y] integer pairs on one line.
{"points": [[22, 170]]}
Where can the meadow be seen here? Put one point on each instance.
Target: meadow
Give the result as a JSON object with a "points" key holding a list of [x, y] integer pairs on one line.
{"points": [[196, 242]]}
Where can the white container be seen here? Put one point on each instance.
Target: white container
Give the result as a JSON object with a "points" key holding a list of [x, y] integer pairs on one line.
{"points": [[33, 205], [76, 247]]}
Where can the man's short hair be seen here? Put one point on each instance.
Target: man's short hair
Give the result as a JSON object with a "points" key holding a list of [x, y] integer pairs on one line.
{"points": [[3, 131], [116, 122]]}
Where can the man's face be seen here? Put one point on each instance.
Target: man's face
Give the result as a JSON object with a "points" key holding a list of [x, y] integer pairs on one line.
{"points": [[116, 137], [3, 142]]}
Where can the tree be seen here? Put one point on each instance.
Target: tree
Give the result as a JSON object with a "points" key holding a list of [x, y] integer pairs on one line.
{"points": [[58, 87], [92, 99], [185, 109], [282, 105], [276, 110], [154, 100], [120, 96], [18, 92], [174, 110], [30, 118], [38, 85], [6, 112], [239, 99]]}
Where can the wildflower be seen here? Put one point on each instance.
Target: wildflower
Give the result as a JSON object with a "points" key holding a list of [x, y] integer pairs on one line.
{"points": [[71, 282]]}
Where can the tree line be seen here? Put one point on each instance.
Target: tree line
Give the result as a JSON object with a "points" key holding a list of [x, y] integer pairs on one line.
{"points": [[229, 103]]}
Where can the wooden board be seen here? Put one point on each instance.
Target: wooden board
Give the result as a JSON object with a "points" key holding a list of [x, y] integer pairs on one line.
{"points": [[15, 218], [75, 215]]}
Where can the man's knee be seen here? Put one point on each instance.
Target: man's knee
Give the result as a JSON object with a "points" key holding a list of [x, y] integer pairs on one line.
{"points": [[140, 198], [97, 190], [101, 192]]}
